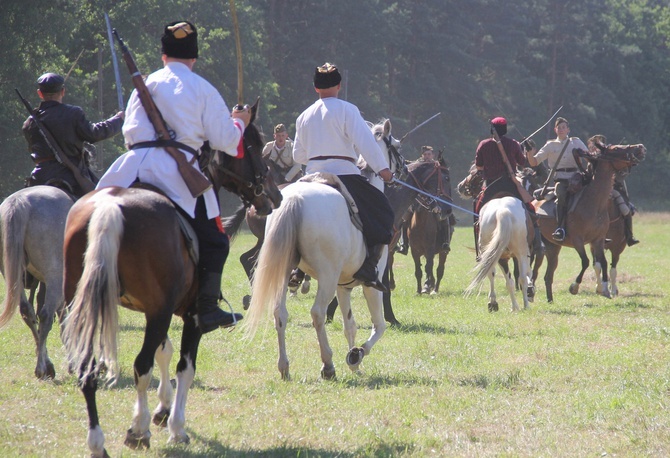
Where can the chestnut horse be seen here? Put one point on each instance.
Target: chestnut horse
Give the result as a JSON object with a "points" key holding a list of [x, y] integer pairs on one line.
{"points": [[134, 253], [588, 220]]}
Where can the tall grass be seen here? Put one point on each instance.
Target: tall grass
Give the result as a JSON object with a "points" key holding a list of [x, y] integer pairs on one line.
{"points": [[584, 376]]}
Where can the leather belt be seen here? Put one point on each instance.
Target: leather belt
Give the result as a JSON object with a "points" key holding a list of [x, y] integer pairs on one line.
{"points": [[325, 158], [163, 144], [573, 169]]}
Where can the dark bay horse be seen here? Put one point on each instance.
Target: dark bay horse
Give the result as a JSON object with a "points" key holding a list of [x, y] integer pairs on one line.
{"points": [[135, 253], [429, 220], [32, 222], [588, 219]]}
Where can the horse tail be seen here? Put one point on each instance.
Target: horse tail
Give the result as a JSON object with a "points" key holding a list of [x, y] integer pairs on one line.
{"points": [[13, 228], [93, 311], [276, 256], [232, 223], [502, 234]]}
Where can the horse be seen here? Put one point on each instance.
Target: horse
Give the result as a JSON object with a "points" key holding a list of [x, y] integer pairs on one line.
{"points": [[503, 233], [387, 143], [312, 230], [616, 242], [425, 240], [32, 221], [149, 271], [588, 220]]}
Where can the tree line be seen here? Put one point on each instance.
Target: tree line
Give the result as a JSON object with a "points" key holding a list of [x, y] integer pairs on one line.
{"points": [[606, 62]]}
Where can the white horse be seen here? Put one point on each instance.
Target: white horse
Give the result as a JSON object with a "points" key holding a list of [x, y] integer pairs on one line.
{"points": [[312, 229], [503, 233], [32, 221]]}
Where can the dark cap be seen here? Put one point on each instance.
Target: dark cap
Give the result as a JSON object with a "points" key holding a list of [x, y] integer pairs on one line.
{"points": [[500, 125], [426, 148], [280, 128], [180, 40], [50, 83], [326, 76]]}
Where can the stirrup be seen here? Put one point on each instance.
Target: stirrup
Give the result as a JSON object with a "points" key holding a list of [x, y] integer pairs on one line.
{"points": [[559, 234]]}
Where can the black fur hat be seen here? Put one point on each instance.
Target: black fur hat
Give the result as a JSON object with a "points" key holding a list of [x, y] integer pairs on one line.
{"points": [[180, 40], [326, 76]]}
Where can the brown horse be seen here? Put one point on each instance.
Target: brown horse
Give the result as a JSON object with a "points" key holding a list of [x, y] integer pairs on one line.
{"points": [[426, 240], [135, 253], [588, 219]]}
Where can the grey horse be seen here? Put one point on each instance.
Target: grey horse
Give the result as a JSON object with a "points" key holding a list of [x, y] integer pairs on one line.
{"points": [[32, 223]]}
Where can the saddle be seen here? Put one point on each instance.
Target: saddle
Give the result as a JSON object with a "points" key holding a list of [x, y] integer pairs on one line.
{"points": [[189, 234], [334, 182]]}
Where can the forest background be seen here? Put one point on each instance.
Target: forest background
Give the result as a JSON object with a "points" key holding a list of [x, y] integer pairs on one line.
{"points": [[606, 62]]}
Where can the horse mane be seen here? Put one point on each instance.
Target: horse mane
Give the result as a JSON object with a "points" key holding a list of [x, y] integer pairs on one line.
{"points": [[231, 224]]}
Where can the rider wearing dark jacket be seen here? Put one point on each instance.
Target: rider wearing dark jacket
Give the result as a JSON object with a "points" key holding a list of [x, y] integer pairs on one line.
{"points": [[70, 129]]}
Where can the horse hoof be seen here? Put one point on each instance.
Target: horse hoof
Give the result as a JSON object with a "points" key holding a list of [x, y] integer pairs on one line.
{"points": [[354, 357], [285, 375], [304, 289], [138, 442], [574, 288], [328, 372], [493, 306], [180, 439], [246, 302], [160, 418], [47, 374]]}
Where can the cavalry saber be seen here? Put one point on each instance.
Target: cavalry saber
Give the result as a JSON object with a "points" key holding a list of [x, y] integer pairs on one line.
{"points": [[395, 180], [420, 125], [119, 91], [545, 124]]}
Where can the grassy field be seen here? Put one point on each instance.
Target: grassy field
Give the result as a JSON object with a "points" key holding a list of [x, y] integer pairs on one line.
{"points": [[584, 376]]}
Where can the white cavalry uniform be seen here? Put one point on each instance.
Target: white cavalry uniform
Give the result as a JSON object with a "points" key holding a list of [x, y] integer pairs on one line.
{"points": [[195, 111], [346, 135]]}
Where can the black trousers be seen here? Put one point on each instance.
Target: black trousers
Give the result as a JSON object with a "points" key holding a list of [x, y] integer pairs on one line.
{"points": [[374, 209], [212, 240]]}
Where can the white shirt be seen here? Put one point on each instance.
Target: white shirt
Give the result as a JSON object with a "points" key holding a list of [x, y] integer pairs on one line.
{"points": [[552, 149], [334, 127], [196, 112]]}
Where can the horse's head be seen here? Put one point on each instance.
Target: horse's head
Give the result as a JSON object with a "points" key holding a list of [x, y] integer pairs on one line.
{"points": [[390, 146], [433, 178], [247, 177], [472, 184], [620, 156]]}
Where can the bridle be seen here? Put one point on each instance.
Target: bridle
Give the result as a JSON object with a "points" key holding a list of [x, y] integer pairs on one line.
{"points": [[428, 202]]}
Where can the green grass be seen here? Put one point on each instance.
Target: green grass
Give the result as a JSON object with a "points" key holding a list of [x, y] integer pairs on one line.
{"points": [[584, 376]]}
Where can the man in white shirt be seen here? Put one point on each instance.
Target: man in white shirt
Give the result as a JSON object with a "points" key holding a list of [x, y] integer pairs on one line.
{"points": [[280, 151], [330, 135], [564, 165], [195, 112]]}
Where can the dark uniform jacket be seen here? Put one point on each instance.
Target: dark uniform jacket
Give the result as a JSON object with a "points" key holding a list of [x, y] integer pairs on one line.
{"points": [[70, 128]]}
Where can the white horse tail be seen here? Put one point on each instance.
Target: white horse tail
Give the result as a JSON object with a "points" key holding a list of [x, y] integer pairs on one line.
{"points": [[13, 227], [93, 310], [491, 253], [274, 261]]}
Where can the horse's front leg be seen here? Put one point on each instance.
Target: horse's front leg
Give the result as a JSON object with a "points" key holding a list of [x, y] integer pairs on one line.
{"points": [[417, 271], [190, 340], [509, 283], [614, 289], [600, 264], [429, 284], [373, 298], [165, 392], [324, 294]]}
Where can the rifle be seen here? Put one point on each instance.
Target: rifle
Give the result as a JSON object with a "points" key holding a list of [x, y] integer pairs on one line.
{"points": [[523, 192], [84, 183], [195, 181]]}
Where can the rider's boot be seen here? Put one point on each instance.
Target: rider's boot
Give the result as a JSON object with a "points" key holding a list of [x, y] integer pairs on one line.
{"points": [[559, 233], [210, 316], [538, 246], [628, 230], [296, 278], [368, 273]]}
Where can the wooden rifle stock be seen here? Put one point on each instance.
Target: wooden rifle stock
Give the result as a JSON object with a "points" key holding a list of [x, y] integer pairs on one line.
{"points": [[84, 183], [523, 192], [195, 181]]}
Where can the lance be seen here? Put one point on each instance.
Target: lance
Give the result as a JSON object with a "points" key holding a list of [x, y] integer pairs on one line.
{"points": [[420, 125], [238, 48], [395, 180], [119, 91]]}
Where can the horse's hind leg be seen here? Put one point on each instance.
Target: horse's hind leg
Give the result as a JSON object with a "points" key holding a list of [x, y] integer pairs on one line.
{"points": [[374, 301], [493, 302], [281, 320], [509, 283], [324, 295], [49, 301], [165, 392], [139, 436]]}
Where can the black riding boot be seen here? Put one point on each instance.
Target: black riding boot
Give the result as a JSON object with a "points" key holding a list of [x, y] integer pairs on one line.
{"points": [[368, 272], [559, 233], [210, 316], [628, 230]]}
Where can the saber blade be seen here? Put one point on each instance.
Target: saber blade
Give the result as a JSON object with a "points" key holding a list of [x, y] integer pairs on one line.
{"points": [[117, 76]]}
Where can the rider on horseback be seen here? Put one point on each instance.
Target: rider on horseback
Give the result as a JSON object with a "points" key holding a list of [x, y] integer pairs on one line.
{"points": [[195, 111], [558, 153], [490, 162], [329, 136], [280, 152]]}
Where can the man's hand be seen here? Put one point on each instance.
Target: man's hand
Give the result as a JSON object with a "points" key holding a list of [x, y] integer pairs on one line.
{"points": [[386, 175], [243, 113]]}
